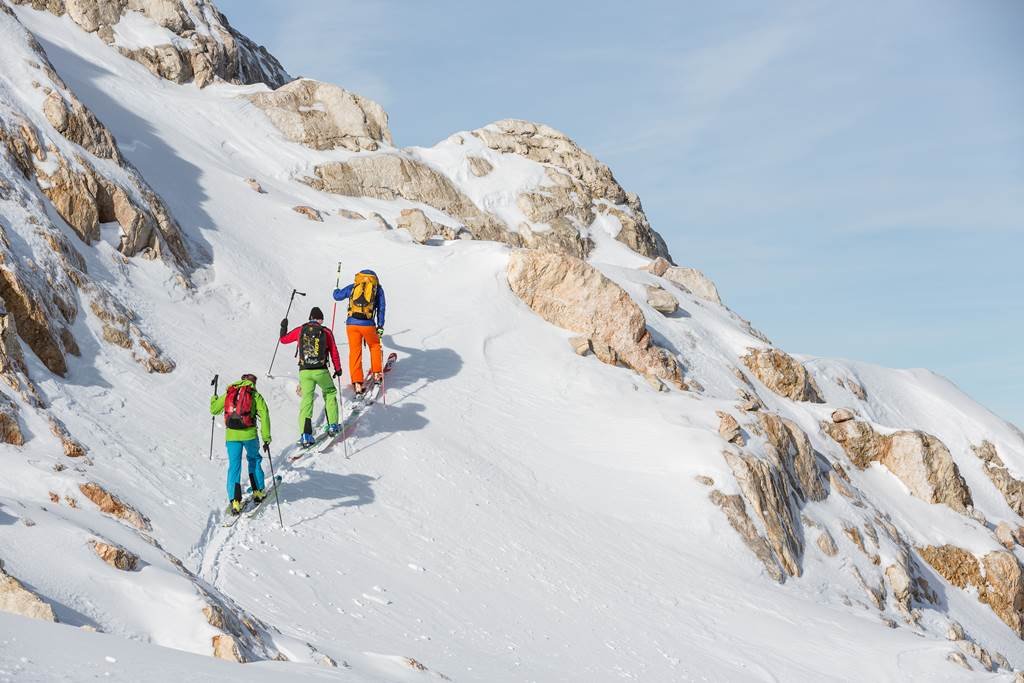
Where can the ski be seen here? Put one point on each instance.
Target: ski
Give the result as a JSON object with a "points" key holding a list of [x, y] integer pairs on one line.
{"points": [[231, 519], [271, 491]]}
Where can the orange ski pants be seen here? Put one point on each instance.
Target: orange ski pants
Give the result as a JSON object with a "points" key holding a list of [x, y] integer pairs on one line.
{"points": [[357, 334]]}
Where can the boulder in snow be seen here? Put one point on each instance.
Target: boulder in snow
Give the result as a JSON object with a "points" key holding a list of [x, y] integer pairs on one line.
{"points": [[114, 506], [309, 212], [479, 166], [116, 556], [574, 295], [997, 472], [17, 599], [661, 300], [843, 415], [324, 116], [693, 281], [783, 374]]}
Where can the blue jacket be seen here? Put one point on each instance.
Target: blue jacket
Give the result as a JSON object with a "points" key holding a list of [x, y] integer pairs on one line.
{"points": [[378, 308]]}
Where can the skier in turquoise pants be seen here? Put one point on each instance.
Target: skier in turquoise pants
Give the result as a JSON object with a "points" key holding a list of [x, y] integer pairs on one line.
{"points": [[242, 406]]}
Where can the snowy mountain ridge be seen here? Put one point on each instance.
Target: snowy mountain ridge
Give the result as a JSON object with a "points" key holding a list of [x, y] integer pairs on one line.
{"points": [[588, 468]]}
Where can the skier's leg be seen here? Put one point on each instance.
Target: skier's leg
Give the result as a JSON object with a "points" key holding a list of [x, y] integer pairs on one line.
{"points": [[355, 353], [326, 382], [252, 454], [234, 466], [307, 382], [373, 341]]}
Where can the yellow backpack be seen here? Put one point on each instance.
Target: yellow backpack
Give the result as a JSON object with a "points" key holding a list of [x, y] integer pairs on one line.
{"points": [[364, 297]]}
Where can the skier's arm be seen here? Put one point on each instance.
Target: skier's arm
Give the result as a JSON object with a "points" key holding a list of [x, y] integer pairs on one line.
{"points": [[217, 404], [332, 348], [343, 293], [264, 414], [381, 306], [292, 336]]}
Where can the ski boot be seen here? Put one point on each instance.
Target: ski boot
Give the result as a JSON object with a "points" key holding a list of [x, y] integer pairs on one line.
{"points": [[306, 440], [378, 377], [236, 506], [358, 388], [333, 429], [258, 495]]}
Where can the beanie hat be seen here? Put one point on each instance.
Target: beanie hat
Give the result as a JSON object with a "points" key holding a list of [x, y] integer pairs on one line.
{"points": [[316, 313]]}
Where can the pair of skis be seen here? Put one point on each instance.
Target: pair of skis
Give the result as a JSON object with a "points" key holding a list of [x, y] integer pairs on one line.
{"points": [[248, 509]]}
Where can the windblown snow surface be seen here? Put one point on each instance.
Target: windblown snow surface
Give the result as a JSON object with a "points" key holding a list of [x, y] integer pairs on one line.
{"points": [[514, 513]]}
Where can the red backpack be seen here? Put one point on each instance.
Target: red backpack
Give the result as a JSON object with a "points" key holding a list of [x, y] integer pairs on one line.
{"points": [[239, 407]]}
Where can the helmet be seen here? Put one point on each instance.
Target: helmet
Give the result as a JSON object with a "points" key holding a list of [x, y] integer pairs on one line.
{"points": [[249, 377]]}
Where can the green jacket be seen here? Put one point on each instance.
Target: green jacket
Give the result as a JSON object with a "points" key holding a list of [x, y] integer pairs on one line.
{"points": [[217, 407]]}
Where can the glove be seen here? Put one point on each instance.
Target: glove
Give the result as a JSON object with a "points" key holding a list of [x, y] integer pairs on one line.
{"points": [[336, 294], [380, 331], [337, 373], [284, 326], [266, 447]]}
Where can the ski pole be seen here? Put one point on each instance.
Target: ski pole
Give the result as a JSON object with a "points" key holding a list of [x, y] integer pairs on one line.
{"points": [[289, 310], [383, 377], [273, 478], [341, 410], [337, 285], [213, 418]]}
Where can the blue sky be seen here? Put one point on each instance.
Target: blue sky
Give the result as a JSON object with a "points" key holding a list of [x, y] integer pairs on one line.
{"points": [[850, 174]]}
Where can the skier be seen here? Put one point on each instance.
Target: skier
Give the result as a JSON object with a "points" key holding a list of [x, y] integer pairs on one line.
{"points": [[365, 324], [316, 343], [242, 405]]}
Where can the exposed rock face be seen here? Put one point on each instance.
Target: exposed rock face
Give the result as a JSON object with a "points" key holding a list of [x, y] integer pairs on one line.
{"points": [[116, 556], [827, 544], [783, 374], [255, 185], [694, 281], [562, 237], [764, 487], [112, 505], [843, 415], [661, 301], [919, 460], [791, 451], [589, 179], [1011, 487], [204, 46], [997, 577], [10, 430], [736, 512], [393, 176], [351, 215], [309, 212], [729, 429], [1004, 534], [225, 647], [17, 599], [574, 295], [421, 228], [479, 166], [324, 116]]}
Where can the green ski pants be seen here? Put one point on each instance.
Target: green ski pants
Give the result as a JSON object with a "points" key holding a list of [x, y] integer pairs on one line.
{"points": [[309, 380]]}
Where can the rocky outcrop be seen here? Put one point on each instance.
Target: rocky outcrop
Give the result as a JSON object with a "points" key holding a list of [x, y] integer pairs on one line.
{"points": [[114, 506], [661, 300], [843, 415], [574, 295], [203, 47], [324, 116], [10, 429], [790, 449], [119, 329], [1008, 485], [729, 429], [765, 488], [736, 512], [394, 176], [116, 556], [479, 166], [225, 647], [997, 577], [783, 374], [561, 237], [17, 599], [919, 460], [309, 212], [695, 282], [576, 172], [421, 228]]}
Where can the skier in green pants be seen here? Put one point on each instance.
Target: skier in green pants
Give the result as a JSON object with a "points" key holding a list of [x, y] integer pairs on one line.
{"points": [[316, 343]]}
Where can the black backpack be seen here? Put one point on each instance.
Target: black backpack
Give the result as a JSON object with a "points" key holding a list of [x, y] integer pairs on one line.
{"points": [[313, 347]]}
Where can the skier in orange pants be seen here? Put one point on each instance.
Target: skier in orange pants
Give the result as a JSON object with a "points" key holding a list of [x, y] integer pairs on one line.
{"points": [[365, 323]]}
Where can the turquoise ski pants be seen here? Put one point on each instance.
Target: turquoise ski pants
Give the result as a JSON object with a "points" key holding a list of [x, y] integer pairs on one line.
{"points": [[252, 454]]}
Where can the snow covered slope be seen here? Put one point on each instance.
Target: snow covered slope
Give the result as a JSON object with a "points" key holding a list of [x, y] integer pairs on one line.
{"points": [[516, 511]]}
